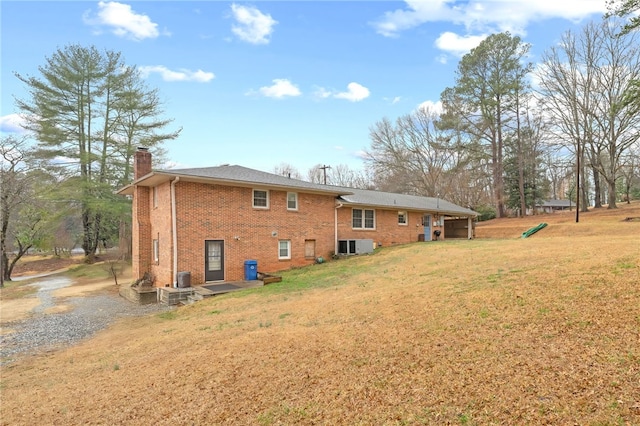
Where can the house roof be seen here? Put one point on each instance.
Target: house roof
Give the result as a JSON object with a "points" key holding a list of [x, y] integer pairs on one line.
{"points": [[243, 176], [403, 201], [231, 175], [558, 203]]}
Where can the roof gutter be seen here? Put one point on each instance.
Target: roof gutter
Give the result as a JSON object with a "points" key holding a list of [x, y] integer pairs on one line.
{"points": [[174, 230]]}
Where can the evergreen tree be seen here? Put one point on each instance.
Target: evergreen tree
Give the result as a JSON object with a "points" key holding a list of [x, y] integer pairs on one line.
{"points": [[89, 111]]}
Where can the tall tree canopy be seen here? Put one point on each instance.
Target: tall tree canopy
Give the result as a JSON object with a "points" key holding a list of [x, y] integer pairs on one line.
{"points": [[583, 82], [489, 80], [414, 155], [88, 112]]}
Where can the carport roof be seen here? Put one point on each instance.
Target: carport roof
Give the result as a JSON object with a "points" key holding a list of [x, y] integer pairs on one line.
{"points": [[402, 201], [243, 176]]}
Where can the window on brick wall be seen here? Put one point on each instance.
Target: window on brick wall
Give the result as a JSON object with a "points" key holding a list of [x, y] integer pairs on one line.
{"points": [[155, 197], [260, 199], [363, 219], [284, 249], [156, 251], [292, 201], [402, 218]]}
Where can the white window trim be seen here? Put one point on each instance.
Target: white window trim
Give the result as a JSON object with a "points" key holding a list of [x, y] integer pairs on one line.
{"points": [[253, 198], [155, 197], [295, 194], [406, 218], [156, 251], [364, 219], [288, 256]]}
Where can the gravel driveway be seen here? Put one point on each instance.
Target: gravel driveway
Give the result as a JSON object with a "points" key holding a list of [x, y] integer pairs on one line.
{"points": [[89, 315]]}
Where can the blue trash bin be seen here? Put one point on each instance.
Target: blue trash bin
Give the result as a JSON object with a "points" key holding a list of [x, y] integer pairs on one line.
{"points": [[250, 270]]}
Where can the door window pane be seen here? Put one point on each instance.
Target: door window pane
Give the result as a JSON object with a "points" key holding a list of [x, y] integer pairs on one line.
{"points": [[214, 251]]}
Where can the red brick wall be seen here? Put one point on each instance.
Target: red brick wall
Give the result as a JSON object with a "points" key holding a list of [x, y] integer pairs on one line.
{"points": [[387, 230], [141, 232], [161, 229], [216, 212]]}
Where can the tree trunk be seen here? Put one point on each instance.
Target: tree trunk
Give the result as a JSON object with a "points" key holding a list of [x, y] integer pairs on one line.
{"points": [[584, 201], [597, 203], [125, 243], [612, 195]]}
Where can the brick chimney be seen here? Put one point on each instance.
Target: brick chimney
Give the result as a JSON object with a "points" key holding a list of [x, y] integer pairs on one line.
{"points": [[141, 163], [141, 242]]}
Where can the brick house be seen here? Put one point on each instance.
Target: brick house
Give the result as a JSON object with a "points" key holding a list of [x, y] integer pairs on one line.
{"points": [[210, 221]]}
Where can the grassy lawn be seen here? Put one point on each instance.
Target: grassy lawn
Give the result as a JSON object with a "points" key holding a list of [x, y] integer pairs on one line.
{"points": [[497, 330]]}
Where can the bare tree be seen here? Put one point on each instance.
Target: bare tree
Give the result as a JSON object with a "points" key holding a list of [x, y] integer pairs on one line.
{"points": [[315, 174], [415, 155], [565, 86], [630, 171], [287, 170], [584, 82], [343, 175], [23, 215]]}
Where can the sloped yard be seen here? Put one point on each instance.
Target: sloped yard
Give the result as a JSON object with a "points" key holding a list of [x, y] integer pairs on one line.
{"points": [[502, 330]]}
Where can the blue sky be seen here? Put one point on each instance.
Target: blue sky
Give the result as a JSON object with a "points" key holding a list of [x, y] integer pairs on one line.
{"points": [[263, 83]]}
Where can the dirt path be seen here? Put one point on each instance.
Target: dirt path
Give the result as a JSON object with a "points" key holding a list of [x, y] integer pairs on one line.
{"points": [[48, 298], [62, 311]]}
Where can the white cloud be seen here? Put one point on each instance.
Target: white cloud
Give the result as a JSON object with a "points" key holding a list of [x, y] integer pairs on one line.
{"points": [[123, 21], [443, 59], [11, 123], [485, 15], [252, 26], [457, 45], [355, 93], [393, 101], [419, 12], [430, 106], [322, 93], [180, 75], [280, 88]]}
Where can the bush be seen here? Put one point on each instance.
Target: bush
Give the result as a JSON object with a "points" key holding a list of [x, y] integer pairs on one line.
{"points": [[485, 212]]}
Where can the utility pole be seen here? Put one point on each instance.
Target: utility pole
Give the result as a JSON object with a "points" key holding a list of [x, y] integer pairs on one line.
{"points": [[324, 169], [578, 154]]}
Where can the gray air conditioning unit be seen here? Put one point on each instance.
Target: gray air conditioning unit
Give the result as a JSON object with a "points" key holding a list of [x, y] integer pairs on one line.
{"points": [[355, 246]]}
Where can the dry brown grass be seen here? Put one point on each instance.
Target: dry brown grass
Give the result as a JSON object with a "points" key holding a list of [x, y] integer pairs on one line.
{"points": [[543, 330]]}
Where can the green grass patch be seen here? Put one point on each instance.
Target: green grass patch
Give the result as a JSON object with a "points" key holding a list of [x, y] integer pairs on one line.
{"points": [[336, 273], [170, 315], [96, 271]]}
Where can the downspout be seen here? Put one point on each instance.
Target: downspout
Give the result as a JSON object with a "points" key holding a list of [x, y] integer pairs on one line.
{"points": [[335, 231], [174, 230]]}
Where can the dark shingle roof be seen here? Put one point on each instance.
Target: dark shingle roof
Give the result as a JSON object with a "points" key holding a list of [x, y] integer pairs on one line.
{"points": [[403, 201], [233, 174]]}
